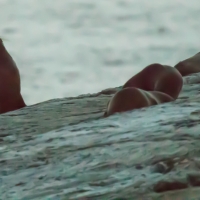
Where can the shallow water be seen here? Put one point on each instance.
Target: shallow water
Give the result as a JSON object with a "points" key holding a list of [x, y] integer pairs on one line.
{"points": [[70, 47]]}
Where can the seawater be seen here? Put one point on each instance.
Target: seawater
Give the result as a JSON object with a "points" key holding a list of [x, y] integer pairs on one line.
{"points": [[71, 47]]}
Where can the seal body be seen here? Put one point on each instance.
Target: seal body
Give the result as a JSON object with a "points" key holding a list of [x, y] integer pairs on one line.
{"points": [[189, 66], [133, 98], [10, 88], [157, 77]]}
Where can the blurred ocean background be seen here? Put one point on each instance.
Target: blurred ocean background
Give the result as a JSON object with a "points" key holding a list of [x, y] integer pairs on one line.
{"points": [[71, 47]]}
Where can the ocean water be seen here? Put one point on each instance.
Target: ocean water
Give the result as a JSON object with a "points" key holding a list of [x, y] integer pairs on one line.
{"points": [[71, 47]]}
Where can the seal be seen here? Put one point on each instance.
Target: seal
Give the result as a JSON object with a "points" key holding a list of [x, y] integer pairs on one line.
{"points": [[133, 98], [157, 77], [189, 66], [10, 86]]}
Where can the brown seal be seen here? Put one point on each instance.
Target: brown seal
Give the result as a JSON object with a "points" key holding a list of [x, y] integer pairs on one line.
{"points": [[133, 98], [157, 77], [10, 95], [189, 66]]}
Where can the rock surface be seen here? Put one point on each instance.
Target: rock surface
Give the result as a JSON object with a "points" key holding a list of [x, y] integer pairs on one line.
{"points": [[64, 149]]}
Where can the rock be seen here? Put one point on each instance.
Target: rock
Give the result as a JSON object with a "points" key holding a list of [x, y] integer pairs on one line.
{"points": [[163, 167], [194, 179], [164, 186], [65, 149]]}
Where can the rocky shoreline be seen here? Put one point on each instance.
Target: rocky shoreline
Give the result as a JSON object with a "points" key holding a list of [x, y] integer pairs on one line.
{"points": [[64, 149]]}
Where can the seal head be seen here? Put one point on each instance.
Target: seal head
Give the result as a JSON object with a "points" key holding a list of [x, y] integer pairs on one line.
{"points": [[10, 94], [157, 77]]}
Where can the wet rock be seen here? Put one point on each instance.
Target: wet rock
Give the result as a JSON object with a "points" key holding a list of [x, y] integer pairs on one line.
{"points": [[109, 91], [65, 147], [164, 186], [194, 179], [138, 166], [163, 167]]}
